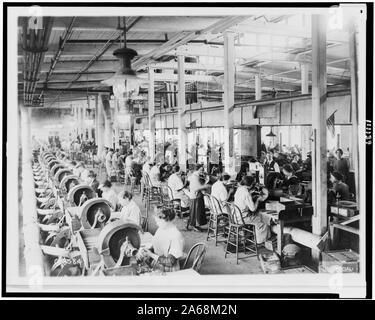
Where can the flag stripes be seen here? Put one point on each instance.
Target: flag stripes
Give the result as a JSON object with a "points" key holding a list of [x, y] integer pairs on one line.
{"points": [[331, 123]]}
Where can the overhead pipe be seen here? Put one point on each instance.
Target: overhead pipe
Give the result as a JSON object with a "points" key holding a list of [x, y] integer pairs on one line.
{"points": [[78, 90], [91, 41], [57, 55], [44, 48], [96, 56], [28, 48], [31, 57], [25, 57], [36, 52]]}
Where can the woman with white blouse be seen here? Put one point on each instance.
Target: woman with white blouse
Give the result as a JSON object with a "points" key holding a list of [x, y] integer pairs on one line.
{"points": [[109, 194], [130, 210], [167, 243], [244, 201]]}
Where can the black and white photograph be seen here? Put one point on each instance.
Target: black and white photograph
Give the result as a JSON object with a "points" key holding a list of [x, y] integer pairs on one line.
{"points": [[185, 148]]}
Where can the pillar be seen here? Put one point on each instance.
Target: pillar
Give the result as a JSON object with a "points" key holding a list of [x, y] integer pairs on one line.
{"points": [[305, 141], [80, 121], [100, 125], [107, 121], [77, 132], [151, 113], [354, 104], [182, 135], [131, 128], [258, 87], [83, 120], [228, 98], [75, 122], [90, 116], [258, 91], [304, 78], [116, 124], [319, 115]]}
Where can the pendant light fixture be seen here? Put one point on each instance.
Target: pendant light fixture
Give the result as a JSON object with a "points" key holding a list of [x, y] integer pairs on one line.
{"points": [[125, 81], [271, 134]]}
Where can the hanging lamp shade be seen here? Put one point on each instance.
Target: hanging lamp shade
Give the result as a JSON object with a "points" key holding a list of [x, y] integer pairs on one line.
{"points": [[125, 80], [271, 134], [125, 56]]}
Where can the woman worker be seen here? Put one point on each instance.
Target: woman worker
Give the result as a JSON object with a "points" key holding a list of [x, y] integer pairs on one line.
{"points": [[109, 194], [130, 210], [339, 189], [93, 183], [291, 182], [167, 243], [244, 201], [197, 214], [108, 163]]}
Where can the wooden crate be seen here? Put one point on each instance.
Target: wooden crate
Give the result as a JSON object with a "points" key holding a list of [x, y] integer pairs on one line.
{"points": [[345, 261], [345, 210]]}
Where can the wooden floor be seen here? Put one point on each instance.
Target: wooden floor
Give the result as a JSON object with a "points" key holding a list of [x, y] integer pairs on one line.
{"points": [[214, 262]]}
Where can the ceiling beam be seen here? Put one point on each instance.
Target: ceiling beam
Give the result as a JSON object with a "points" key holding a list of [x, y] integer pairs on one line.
{"points": [[281, 29], [57, 55], [147, 24], [88, 48], [75, 66], [130, 23], [184, 37], [87, 76]]}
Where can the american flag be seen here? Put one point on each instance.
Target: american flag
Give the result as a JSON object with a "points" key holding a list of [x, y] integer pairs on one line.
{"points": [[331, 123]]}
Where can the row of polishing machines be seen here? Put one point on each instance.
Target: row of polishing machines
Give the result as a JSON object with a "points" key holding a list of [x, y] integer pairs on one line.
{"points": [[78, 236]]}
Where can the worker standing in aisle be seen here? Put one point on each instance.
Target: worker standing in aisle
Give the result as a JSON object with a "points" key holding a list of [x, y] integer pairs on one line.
{"points": [[341, 165], [108, 163]]}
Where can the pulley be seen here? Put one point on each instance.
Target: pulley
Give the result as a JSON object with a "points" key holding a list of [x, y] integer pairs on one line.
{"points": [[60, 174], [41, 184], [80, 194], [94, 213], [112, 238], [43, 192], [56, 168], [47, 157], [66, 182], [51, 163]]}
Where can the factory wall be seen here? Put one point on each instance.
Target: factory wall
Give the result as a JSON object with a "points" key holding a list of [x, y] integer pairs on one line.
{"points": [[278, 114], [46, 122]]}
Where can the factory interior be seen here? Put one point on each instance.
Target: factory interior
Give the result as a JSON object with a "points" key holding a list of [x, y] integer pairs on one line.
{"points": [[190, 144]]}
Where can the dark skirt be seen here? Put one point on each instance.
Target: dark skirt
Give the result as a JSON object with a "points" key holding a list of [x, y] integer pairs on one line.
{"points": [[197, 214]]}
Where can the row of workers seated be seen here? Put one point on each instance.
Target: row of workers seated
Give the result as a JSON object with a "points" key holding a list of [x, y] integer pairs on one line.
{"points": [[163, 173], [245, 192], [167, 250]]}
